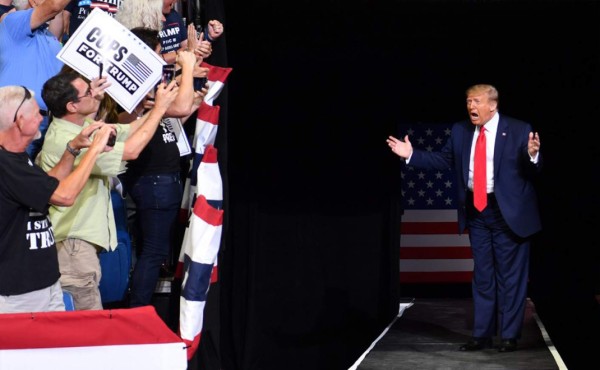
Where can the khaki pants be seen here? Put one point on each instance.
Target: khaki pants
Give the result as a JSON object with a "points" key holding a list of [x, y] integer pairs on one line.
{"points": [[80, 272]]}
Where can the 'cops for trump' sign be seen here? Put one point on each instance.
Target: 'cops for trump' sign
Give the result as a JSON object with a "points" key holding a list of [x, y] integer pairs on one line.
{"points": [[133, 69]]}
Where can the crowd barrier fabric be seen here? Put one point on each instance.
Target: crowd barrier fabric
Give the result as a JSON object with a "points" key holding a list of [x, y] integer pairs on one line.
{"points": [[122, 339]]}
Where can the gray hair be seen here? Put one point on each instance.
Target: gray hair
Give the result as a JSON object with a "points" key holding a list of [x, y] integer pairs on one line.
{"points": [[20, 4], [10, 98], [141, 13]]}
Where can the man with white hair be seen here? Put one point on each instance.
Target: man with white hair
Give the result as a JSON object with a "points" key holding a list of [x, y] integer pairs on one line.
{"points": [[29, 274], [28, 51]]}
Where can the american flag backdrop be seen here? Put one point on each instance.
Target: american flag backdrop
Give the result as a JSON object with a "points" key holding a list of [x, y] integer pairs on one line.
{"points": [[431, 250]]}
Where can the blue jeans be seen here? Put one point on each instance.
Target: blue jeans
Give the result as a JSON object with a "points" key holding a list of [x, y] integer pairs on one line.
{"points": [[158, 200]]}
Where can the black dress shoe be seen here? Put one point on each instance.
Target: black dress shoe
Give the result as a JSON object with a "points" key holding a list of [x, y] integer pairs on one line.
{"points": [[508, 345], [476, 344]]}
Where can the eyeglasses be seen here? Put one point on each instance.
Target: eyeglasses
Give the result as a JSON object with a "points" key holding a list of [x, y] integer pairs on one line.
{"points": [[88, 93], [27, 96]]}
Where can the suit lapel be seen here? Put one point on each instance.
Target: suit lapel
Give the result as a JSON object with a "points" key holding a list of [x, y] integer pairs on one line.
{"points": [[466, 151], [501, 137]]}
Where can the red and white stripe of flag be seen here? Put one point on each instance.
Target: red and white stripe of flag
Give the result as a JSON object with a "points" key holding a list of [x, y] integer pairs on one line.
{"points": [[201, 244], [216, 80], [210, 187], [134, 338], [431, 250], [205, 134], [206, 126]]}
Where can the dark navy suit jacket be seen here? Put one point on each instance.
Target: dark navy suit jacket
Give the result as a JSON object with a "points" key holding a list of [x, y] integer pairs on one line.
{"points": [[513, 172]]}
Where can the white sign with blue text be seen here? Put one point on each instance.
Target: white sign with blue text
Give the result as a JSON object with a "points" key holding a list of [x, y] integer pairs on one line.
{"points": [[133, 69]]}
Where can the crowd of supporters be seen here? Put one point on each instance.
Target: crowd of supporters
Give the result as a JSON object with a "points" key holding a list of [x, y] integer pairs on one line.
{"points": [[67, 144]]}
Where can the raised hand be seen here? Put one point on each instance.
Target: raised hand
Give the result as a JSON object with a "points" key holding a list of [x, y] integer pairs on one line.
{"points": [[101, 137], [165, 95], [215, 29], [402, 148], [83, 140], [193, 37], [204, 48], [186, 58], [98, 86], [533, 145]]}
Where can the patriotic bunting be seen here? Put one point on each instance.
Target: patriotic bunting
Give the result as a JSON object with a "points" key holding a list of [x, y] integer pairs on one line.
{"points": [[206, 131], [201, 243], [135, 338], [203, 195], [216, 80]]}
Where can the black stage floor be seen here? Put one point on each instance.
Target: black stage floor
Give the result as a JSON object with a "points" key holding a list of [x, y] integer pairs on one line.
{"points": [[428, 332]]}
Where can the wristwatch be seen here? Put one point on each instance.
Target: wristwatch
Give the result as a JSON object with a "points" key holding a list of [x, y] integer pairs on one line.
{"points": [[75, 152]]}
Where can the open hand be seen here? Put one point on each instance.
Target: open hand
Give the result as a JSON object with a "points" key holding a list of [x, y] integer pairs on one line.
{"points": [[402, 148], [533, 145]]}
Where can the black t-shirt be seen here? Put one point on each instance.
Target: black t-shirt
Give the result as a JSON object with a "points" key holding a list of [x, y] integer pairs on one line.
{"points": [[28, 259], [80, 9], [5, 9], [161, 155], [173, 33]]}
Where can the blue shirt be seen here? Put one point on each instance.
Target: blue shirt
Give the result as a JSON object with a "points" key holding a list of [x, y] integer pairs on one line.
{"points": [[27, 57]]}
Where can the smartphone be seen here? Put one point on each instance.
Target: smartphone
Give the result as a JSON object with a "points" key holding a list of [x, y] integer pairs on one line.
{"points": [[200, 83], [168, 73], [101, 65], [112, 139]]}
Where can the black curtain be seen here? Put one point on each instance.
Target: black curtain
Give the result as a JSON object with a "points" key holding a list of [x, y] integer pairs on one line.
{"points": [[309, 259]]}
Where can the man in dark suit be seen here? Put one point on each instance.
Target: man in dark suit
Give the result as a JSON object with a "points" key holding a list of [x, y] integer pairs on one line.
{"points": [[501, 217]]}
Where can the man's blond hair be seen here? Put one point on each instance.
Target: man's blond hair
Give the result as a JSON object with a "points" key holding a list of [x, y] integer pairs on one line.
{"points": [[478, 89]]}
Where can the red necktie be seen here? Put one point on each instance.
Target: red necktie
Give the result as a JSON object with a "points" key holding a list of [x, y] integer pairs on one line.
{"points": [[479, 173]]}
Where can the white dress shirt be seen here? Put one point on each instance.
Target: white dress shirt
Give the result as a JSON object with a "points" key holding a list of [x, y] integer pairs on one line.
{"points": [[491, 128]]}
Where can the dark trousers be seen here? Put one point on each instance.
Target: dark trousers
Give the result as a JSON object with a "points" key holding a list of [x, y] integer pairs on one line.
{"points": [[158, 200], [500, 273]]}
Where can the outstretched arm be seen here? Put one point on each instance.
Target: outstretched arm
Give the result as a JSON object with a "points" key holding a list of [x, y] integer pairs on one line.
{"points": [[183, 104], [144, 128]]}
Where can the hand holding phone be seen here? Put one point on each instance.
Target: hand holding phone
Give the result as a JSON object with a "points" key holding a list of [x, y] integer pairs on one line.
{"points": [[168, 73], [112, 139], [200, 83]]}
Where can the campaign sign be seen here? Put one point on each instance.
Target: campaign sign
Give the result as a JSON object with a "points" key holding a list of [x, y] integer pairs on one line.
{"points": [[133, 69]]}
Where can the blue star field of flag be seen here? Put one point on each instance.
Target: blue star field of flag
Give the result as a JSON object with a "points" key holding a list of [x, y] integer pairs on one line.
{"points": [[427, 189]]}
